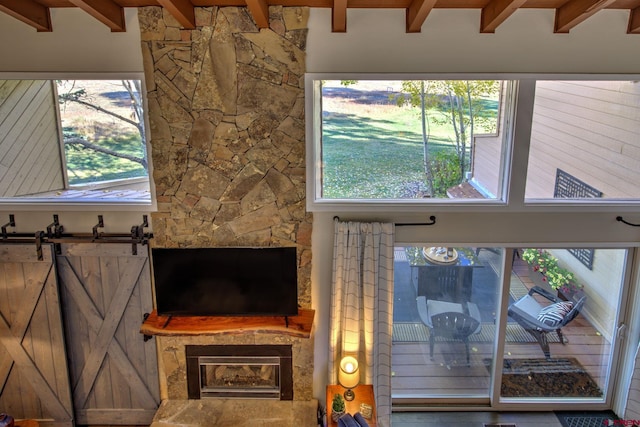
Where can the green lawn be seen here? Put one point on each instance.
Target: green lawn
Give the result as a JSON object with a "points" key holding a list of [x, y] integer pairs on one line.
{"points": [[375, 151], [88, 166]]}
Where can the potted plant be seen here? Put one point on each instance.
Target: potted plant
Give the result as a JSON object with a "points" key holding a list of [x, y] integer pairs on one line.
{"points": [[544, 266], [337, 407]]}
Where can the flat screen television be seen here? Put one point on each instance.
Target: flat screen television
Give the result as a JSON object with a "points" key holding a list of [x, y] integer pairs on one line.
{"points": [[226, 281]]}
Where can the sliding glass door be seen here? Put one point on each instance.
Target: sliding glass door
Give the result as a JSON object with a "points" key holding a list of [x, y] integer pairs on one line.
{"points": [[553, 324], [568, 300], [444, 331]]}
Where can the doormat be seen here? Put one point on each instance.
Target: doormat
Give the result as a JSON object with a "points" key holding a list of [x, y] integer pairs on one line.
{"points": [[562, 377], [586, 418], [418, 332]]}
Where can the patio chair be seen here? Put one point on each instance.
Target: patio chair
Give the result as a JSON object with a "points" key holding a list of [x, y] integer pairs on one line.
{"points": [[445, 282], [539, 319], [449, 320]]}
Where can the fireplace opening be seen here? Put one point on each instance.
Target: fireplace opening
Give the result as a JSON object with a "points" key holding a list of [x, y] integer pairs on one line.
{"points": [[239, 371]]}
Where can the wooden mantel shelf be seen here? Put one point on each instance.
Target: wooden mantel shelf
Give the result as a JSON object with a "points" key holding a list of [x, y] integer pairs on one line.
{"points": [[299, 326]]}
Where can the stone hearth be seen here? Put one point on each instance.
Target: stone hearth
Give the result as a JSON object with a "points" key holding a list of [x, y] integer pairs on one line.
{"points": [[236, 413]]}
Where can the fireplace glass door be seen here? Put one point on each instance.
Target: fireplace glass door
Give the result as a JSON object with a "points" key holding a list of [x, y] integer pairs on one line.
{"points": [[248, 377]]}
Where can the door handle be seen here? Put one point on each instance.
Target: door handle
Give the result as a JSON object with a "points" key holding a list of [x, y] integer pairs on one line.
{"points": [[622, 331]]}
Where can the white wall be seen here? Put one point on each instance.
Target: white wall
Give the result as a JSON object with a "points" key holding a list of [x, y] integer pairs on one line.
{"points": [[376, 42], [78, 47], [450, 41], [78, 43]]}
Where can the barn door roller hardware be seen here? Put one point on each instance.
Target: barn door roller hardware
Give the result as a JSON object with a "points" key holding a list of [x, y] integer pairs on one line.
{"points": [[137, 234], [11, 223], [55, 230], [100, 224], [55, 234]]}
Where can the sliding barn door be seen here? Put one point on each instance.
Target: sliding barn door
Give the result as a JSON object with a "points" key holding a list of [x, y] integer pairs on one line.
{"points": [[105, 292], [34, 381]]}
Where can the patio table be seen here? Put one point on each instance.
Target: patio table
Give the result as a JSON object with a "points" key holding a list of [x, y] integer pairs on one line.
{"points": [[451, 282]]}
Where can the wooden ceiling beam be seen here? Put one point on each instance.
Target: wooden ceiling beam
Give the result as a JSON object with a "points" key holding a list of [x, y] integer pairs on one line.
{"points": [[29, 12], [634, 21], [417, 13], [182, 10], [576, 11], [259, 9], [496, 12], [106, 11], [339, 16]]}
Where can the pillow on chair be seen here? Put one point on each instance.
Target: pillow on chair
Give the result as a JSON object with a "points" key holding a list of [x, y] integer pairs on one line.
{"points": [[553, 314]]}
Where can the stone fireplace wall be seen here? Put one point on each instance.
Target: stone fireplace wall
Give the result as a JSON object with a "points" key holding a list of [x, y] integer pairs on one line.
{"points": [[226, 113]]}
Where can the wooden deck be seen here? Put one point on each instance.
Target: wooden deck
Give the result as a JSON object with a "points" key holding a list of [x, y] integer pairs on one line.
{"points": [[416, 376], [131, 190]]}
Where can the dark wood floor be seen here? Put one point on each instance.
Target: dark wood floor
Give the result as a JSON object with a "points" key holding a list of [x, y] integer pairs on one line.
{"points": [[415, 374]]}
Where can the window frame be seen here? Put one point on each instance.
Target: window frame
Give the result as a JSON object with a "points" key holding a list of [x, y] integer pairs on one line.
{"points": [[517, 134], [36, 204]]}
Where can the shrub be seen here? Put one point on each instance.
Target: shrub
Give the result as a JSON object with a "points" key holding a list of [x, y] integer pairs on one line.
{"points": [[559, 278]]}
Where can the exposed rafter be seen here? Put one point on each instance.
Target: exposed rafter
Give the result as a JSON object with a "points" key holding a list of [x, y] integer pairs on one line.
{"points": [[569, 13], [106, 11], [339, 16], [576, 11], [634, 21], [182, 10], [29, 12], [496, 12], [259, 9], [417, 12]]}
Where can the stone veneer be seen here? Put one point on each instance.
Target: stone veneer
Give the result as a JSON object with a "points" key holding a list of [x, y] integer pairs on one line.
{"points": [[226, 113]]}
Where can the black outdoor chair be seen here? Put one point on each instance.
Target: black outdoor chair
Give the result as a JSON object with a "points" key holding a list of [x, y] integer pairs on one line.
{"points": [[450, 321], [445, 282], [526, 311]]}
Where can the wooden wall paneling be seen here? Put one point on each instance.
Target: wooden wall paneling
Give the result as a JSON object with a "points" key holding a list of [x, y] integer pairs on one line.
{"points": [[7, 87], [50, 171], [43, 155], [24, 102], [28, 130], [35, 154]]}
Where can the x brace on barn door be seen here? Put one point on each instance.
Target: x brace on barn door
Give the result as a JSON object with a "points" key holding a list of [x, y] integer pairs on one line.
{"points": [[55, 234]]}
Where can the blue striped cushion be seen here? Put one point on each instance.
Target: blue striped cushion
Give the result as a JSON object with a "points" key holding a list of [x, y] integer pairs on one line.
{"points": [[553, 314]]}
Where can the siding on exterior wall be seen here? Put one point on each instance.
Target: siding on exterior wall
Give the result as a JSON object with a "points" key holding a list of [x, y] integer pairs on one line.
{"points": [[488, 154], [590, 130], [30, 155]]}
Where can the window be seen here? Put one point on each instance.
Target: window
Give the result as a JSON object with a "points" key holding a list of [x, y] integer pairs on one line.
{"points": [[73, 141], [403, 143], [590, 130], [518, 209], [384, 140]]}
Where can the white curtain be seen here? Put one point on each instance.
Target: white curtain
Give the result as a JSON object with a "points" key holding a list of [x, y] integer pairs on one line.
{"points": [[362, 306]]}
